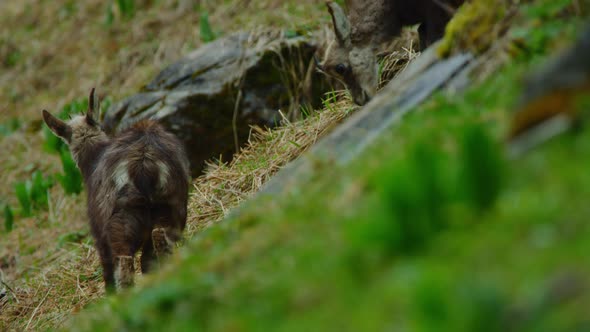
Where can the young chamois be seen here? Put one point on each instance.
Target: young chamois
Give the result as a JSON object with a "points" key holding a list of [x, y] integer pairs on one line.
{"points": [[351, 58], [137, 185]]}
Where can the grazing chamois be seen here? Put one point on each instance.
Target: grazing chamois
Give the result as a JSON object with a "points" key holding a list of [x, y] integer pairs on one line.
{"points": [[137, 185], [351, 58]]}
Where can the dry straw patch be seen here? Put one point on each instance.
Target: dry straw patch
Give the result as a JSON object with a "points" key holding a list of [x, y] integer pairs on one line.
{"points": [[224, 186]]}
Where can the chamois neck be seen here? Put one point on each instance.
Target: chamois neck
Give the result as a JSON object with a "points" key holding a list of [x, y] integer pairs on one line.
{"points": [[87, 156]]}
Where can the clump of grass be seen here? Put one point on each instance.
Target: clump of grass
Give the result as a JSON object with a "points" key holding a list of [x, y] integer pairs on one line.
{"points": [[482, 168], [125, 8], [417, 195], [207, 34], [32, 194], [71, 179], [8, 218]]}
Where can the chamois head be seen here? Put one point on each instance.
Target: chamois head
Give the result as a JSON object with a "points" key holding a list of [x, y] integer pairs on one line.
{"points": [[80, 131], [354, 65]]}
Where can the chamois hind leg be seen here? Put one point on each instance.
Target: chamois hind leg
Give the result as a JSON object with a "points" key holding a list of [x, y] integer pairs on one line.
{"points": [[106, 260], [147, 255], [162, 242], [167, 231], [123, 237]]}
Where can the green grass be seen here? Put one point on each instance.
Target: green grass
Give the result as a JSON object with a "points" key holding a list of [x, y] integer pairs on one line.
{"points": [[206, 32], [432, 229], [8, 218], [32, 194], [71, 179]]}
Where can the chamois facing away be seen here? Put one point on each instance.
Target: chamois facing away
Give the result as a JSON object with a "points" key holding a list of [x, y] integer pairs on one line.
{"points": [[137, 185], [351, 58]]}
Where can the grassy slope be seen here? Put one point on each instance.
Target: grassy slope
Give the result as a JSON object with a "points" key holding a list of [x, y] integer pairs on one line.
{"points": [[330, 253]]}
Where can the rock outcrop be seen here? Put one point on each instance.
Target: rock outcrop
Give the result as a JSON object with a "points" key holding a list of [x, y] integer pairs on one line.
{"points": [[212, 97]]}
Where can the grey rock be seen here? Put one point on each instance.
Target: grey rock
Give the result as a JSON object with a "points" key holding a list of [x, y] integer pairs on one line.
{"points": [[196, 97]]}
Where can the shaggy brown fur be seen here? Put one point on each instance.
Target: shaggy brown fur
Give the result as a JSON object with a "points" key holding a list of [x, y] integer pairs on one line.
{"points": [[352, 59], [137, 185]]}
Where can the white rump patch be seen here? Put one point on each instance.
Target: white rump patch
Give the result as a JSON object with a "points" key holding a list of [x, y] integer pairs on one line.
{"points": [[164, 173], [121, 175]]}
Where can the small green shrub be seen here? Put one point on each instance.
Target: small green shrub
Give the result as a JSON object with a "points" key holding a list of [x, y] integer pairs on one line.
{"points": [[207, 34], [71, 179]]}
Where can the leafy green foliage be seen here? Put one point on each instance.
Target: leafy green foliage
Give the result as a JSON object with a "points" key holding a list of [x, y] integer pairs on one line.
{"points": [[126, 8], [32, 194], [23, 196], [207, 34], [8, 218], [71, 179]]}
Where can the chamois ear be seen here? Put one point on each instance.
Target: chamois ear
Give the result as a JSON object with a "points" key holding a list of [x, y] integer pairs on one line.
{"points": [[317, 63], [341, 23], [91, 115], [57, 126]]}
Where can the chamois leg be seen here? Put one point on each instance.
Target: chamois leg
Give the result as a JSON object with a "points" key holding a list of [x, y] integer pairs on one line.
{"points": [[168, 229], [106, 260], [123, 240], [162, 242], [147, 255], [124, 272]]}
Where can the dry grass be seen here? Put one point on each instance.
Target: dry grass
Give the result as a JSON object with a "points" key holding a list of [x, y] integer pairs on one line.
{"points": [[224, 186], [45, 280]]}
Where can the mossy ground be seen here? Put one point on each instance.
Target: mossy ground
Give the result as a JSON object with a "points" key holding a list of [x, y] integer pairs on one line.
{"points": [[500, 244]]}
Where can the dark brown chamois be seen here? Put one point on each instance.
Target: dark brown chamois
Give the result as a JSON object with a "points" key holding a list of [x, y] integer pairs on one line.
{"points": [[137, 185], [351, 56]]}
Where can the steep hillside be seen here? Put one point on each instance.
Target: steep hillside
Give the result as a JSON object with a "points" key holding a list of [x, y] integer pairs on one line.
{"points": [[431, 229]]}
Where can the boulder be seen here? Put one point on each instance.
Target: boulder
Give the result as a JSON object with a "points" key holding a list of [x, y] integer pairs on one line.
{"points": [[212, 97]]}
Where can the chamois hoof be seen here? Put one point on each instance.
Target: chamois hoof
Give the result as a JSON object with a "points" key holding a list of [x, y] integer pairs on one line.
{"points": [[162, 245], [124, 272]]}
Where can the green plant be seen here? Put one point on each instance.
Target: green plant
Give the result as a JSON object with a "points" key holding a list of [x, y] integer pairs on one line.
{"points": [[71, 179], [22, 194], [482, 168], [126, 8], [8, 218], [207, 33], [32, 194]]}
